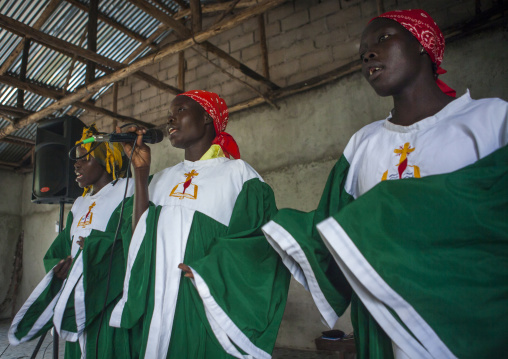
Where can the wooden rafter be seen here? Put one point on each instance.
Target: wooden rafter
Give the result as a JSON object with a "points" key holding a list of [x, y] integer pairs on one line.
{"points": [[183, 32], [227, 11], [302, 86], [168, 50], [111, 22], [266, 98], [146, 43], [181, 3], [22, 72], [53, 4], [181, 70], [18, 141], [489, 18], [57, 95], [212, 8], [72, 50], [13, 111], [163, 6], [195, 6], [92, 39], [262, 44]]}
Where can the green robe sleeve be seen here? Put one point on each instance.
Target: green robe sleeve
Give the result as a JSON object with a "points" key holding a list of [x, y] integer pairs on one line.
{"points": [[241, 280], [61, 246], [35, 316], [293, 234], [430, 260]]}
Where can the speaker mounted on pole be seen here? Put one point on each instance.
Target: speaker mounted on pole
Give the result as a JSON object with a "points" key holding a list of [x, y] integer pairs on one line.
{"points": [[54, 178]]}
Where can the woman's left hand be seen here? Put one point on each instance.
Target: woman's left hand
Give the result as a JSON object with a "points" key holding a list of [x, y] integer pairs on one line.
{"points": [[187, 270], [81, 242]]}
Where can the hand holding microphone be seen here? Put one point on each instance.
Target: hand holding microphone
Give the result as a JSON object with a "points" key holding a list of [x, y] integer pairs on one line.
{"points": [[152, 135], [141, 158]]}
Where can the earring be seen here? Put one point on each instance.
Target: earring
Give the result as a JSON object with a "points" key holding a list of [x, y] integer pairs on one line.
{"points": [[422, 51]]}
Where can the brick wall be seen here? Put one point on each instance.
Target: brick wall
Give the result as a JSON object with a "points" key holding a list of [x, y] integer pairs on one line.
{"points": [[305, 38]]}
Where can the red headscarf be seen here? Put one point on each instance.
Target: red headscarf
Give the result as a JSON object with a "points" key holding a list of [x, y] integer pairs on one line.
{"points": [[217, 109], [424, 28]]}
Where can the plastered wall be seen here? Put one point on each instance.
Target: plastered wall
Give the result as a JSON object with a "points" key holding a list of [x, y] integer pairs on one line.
{"points": [[10, 230], [294, 148]]}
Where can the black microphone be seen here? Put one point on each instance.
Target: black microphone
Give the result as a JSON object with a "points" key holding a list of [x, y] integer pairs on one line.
{"points": [[152, 135]]}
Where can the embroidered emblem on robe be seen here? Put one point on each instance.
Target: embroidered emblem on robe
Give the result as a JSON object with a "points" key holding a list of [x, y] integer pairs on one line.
{"points": [[87, 218], [186, 189], [402, 167]]}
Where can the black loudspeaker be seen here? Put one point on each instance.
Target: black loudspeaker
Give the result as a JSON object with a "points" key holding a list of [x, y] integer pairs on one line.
{"points": [[54, 178]]}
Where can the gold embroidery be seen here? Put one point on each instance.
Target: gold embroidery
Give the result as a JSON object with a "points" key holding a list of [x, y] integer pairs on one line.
{"points": [[87, 218], [179, 191], [404, 152]]}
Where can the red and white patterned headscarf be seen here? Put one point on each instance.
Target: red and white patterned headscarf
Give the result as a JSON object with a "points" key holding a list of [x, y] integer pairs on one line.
{"points": [[217, 109], [429, 35]]}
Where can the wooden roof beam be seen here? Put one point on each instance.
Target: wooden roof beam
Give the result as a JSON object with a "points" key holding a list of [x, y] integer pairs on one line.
{"points": [[227, 11], [183, 32], [57, 95], [92, 39], [53, 4], [72, 50], [195, 6], [181, 3], [213, 8], [168, 50], [13, 111], [16, 141], [111, 22]]}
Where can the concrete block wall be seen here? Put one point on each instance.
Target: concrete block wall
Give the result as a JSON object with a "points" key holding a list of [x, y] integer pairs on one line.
{"points": [[304, 39]]}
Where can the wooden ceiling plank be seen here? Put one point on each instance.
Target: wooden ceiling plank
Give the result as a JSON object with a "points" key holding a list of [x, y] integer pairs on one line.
{"points": [[53, 4], [168, 50]]}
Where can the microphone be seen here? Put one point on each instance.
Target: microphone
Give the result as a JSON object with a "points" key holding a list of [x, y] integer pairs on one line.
{"points": [[152, 135]]}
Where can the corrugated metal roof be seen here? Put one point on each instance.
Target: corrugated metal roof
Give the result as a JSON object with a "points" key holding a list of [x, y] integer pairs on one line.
{"points": [[54, 70]]}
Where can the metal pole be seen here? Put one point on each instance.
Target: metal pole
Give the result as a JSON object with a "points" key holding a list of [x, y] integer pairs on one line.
{"points": [[60, 229]]}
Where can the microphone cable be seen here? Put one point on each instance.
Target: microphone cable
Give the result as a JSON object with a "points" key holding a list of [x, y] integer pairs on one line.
{"points": [[112, 250], [116, 232]]}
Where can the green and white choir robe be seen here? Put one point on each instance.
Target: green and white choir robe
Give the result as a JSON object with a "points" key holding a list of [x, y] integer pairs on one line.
{"points": [[207, 214], [73, 306], [462, 133]]}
